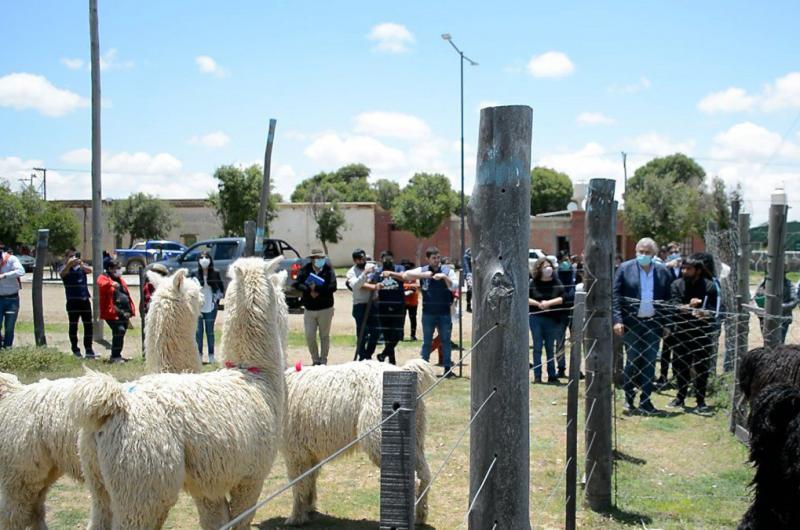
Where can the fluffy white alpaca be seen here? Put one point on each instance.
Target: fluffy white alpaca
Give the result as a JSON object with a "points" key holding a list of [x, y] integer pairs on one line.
{"points": [[169, 345], [38, 435], [329, 406], [215, 434]]}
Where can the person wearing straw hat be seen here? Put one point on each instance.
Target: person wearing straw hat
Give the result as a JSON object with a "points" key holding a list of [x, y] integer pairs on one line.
{"points": [[317, 281]]}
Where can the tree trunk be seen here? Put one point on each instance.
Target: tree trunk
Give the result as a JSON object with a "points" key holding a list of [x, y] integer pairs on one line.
{"points": [[324, 246]]}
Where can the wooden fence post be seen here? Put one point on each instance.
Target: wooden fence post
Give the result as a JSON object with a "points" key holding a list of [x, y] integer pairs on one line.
{"points": [[499, 221], [773, 317], [575, 355], [598, 343], [742, 317], [398, 451], [36, 293], [249, 238]]}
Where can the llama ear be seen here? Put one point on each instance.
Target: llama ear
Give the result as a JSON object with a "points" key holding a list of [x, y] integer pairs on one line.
{"points": [[234, 271], [272, 265], [155, 278], [279, 280], [178, 277]]}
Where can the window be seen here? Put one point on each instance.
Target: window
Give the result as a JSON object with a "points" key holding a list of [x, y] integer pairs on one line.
{"points": [[288, 251], [225, 250], [271, 249], [171, 246], [195, 251]]}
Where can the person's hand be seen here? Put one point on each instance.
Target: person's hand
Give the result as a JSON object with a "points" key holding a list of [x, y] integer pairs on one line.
{"points": [[695, 302], [619, 330], [3, 275], [534, 303], [378, 286], [544, 304], [314, 293], [439, 276], [369, 267], [386, 274]]}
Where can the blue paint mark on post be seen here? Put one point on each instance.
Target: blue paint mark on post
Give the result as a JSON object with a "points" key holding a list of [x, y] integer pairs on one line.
{"points": [[504, 145]]}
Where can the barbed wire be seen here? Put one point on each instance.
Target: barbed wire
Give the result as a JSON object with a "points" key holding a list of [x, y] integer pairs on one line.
{"points": [[478, 493]]}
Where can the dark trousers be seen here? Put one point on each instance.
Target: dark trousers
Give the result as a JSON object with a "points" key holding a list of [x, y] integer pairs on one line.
{"points": [[411, 311], [641, 348], [118, 330], [692, 350], [561, 341], [366, 330], [391, 322], [667, 347], [469, 300], [78, 309]]}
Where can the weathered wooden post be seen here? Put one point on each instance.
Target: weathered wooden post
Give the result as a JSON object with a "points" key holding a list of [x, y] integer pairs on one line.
{"points": [[36, 293], [499, 221], [250, 231], [773, 317], [142, 280], [97, 188], [742, 316], [575, 354], [261, 228], [398, 451], [598, 342]]}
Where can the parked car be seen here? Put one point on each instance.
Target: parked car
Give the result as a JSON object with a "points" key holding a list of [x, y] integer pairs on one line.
{"points": [[27, 262], [143, 253], [226, 250], [533, 255]]}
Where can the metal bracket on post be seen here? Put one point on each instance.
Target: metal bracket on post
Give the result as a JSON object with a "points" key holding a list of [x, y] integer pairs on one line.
{"points": [[398, 450]]}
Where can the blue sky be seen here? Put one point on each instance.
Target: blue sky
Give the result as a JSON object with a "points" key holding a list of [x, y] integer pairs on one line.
{"points": [[188, 86]]}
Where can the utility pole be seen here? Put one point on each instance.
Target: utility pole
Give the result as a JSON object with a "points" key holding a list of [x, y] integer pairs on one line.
{"points": [[44, 180], [97, 193], [624, 190]]}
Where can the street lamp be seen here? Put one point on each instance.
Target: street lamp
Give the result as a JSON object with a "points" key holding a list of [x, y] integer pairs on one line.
{"points": [[448, 38]]}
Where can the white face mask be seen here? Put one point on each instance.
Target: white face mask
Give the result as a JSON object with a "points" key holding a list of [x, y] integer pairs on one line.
{"points": [[204, 262], [547, 273]]}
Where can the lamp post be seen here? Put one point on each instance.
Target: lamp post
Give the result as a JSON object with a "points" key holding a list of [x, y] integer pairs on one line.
{"points": [[461, 285]]}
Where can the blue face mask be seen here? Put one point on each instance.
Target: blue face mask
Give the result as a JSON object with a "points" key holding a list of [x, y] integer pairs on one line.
{"points": [[564, 266], [319, 263], [644, 260], [673, 256]]}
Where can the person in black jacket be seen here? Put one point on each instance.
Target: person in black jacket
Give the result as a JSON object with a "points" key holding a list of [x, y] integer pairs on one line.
{"points": [[694, 300], [213, 291], [317, 281], [390, 304]]}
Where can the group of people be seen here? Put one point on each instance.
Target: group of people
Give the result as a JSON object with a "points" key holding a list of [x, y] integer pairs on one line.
{"points": [[384, 293]]}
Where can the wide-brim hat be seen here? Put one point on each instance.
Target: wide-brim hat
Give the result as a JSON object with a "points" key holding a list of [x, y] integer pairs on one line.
{"points": [[317, 253]]}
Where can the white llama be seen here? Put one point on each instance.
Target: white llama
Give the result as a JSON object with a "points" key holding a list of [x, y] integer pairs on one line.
{"points": [[328, 407], [170, 347], [214, 434]]}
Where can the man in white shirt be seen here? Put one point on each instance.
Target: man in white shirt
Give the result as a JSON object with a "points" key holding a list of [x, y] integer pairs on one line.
{"points": [[11, 272], [363, 313]]}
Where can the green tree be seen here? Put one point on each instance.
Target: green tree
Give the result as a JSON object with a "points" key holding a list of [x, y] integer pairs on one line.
{"points": [[141, 216], [238, 197], [12, 214], [666, 200], [39, 214], [386, 191], [349, 182], [551, 190], [718, 204], [423, 204], [327, 214]]}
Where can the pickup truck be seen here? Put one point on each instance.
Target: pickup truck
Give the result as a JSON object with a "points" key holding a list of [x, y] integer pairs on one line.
{"points": [[226, 250], [143, 253]]}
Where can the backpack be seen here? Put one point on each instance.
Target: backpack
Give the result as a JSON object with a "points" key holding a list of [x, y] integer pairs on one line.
{"points": [[122, 303]]}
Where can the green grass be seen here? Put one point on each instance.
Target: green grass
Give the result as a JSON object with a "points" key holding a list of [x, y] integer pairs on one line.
{"points": [[675, 472]]}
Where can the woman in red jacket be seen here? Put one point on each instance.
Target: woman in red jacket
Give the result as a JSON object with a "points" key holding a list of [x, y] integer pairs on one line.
{"points": [[116, 307]]}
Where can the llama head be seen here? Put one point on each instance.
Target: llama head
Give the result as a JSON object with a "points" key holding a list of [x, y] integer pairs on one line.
{"points": [[177, 295], [257, 322]]}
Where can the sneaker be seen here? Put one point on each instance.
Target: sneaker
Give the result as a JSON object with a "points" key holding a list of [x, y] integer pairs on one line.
{"points": [[211, 359], [676, 403], [702, 408], [537, 380], [553, 381], [77, 353], [562, 373], [115, 360], [90, 355], [381, 357], [648, 409], [628, 407], [448, 374]]}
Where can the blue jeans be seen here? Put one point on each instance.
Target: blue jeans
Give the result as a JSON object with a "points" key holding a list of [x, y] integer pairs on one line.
{"points": [[367, 329], [9, 309], [445, 325], [545, 332], [206, 321], [641, 347]]}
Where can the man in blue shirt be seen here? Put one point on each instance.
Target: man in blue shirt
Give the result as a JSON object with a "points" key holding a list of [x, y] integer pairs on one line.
{"points": [[641, 286], [11, 273], [79, 305]]}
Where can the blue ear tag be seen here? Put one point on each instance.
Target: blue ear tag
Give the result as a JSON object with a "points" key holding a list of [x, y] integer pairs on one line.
{"points": [[131, 389]]}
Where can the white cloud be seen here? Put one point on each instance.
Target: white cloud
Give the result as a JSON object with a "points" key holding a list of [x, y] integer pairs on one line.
{"points": [[654, 144], [747, 141], [110, 61], [208, 65], [80, 157], [758, 182], [286, 180], [72, 64], [334, 150], [391, 38], [783, 94], [551, 64], [642, 84], [22, 91], [731, 100], [590, 161], [139, 163], [593, 118], [392, 125], [489, 103], [213, 140]]}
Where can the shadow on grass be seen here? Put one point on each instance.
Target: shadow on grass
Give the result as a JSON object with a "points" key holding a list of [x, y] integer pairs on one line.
{"points": [[629, 518], [322, 521], [625, 457]]}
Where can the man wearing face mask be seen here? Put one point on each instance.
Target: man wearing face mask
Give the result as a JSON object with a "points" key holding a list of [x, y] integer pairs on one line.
{"points": [[641, 286], [366, 322], [11, 271], [390, 304], [317, 281], [79, 305], [437, 283], [695, 297], [116, 307]]}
